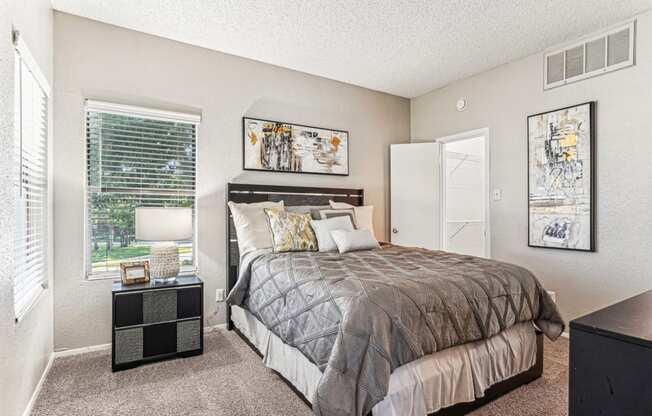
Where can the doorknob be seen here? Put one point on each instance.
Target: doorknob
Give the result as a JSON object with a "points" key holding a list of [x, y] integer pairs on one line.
{"points": [[395, 230]]}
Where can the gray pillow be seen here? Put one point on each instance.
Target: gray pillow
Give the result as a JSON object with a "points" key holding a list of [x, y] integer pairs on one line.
{"points": [[322, 214], [305, 209], [323, 228], [354, 240]]}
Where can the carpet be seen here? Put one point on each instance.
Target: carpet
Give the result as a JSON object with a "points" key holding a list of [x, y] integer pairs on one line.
{"points": [[230, 380]]}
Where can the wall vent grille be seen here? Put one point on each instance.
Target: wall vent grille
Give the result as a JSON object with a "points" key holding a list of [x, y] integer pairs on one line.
{"points": [[594, 55]]}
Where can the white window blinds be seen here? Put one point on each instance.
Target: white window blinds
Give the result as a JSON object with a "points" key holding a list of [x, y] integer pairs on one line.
{"points": [[31, 179], [135, 157]]}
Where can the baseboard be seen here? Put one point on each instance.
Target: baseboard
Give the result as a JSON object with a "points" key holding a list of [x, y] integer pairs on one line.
{"points": [[39, 386], [214, 328], [82, 350], [46, 371]]}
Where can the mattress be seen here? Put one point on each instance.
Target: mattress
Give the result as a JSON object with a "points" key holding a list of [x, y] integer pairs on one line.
{"points": [[360, 315], [455, 375]]}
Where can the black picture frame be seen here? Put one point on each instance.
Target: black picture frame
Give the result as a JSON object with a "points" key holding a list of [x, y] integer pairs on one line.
{"points": [[244, 138], [592, 172]]}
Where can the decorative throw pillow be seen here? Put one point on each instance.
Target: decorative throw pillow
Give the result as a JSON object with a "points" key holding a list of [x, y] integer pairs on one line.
{"points": [[291, 231], [364, 215], [323, 228], [354, 240], [323, 214], [251, 225]]}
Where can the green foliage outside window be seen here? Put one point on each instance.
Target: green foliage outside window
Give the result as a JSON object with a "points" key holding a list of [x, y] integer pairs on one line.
{"points": [[133, 162]]}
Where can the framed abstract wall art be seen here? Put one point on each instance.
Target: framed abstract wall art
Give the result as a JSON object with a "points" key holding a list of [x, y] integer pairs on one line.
{"points": [[284, 147], [561, 183]]}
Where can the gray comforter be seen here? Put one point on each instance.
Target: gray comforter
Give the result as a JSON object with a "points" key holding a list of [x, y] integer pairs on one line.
{"points": [[360, 315]]}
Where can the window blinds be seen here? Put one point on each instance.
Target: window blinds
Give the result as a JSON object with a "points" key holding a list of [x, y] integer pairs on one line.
{"points": [[135, 157], [31, 137]]}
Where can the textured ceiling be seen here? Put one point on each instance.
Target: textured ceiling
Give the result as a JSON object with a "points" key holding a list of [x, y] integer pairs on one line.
{"points": [[403, 47]]}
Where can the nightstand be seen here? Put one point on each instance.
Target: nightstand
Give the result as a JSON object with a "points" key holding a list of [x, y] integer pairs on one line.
{"points": [[155, 321], [611, 360]]}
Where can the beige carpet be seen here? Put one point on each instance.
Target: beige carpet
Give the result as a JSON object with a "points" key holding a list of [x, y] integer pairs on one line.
{"points": [[546, 396], [229, 379]]}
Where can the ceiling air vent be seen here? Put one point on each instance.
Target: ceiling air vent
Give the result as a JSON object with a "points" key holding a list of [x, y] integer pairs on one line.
{"points": [[595, 55]]}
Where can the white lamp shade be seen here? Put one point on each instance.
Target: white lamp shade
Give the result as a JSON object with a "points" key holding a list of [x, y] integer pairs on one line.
{"points": [[163, 224]]}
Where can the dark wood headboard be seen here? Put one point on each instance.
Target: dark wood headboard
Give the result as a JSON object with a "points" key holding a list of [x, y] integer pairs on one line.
{"points": [[291, 196]]}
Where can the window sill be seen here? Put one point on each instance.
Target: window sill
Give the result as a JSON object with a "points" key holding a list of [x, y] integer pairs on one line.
{"points": [[103, 276], [37, 299], [116, 275]]}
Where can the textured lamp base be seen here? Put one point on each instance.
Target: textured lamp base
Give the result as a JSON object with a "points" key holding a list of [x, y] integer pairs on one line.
{"points": [[164, 261]]}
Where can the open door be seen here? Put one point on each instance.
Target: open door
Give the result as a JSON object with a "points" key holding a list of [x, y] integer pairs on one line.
{"points": [[415, 195]]}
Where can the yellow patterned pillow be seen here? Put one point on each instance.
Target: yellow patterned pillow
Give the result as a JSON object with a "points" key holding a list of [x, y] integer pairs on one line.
{"points": [[291, 231]]}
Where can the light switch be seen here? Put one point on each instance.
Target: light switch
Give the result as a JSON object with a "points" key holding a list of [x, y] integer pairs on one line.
{"points": [[220, 294], [497, 194]]}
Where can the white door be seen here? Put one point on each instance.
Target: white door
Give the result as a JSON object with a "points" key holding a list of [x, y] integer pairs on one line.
{"points": [[415, 195]]}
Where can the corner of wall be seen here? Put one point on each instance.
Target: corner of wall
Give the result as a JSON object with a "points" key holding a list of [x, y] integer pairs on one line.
{"points": [[25, 347]]}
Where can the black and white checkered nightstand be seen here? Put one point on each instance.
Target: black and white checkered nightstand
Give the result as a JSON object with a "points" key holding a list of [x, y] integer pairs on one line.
{"points": [[154, 321]]}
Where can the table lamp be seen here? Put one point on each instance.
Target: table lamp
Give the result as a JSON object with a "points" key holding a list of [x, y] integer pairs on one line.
{"points": [[164, 226]]}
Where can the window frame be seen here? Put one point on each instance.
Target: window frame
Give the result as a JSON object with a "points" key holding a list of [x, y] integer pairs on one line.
{"points": [[23, 56], [145, 112]]}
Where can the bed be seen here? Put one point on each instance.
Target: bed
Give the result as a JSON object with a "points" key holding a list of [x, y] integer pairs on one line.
{"points": [[393, 331]]}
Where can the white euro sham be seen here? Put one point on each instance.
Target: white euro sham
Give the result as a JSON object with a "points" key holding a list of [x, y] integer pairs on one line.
{"points": [[251, 224], [364, 215]]}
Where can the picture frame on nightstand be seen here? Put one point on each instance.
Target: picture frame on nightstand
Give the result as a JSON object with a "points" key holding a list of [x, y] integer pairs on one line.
{"points": [[134, 272]]}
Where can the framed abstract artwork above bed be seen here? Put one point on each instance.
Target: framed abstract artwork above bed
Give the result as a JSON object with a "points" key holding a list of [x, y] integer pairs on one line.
{"points": [[561, 183], [276, 146]]}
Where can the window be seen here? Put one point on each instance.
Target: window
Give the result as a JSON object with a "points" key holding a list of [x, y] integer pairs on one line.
{"points": [[31, 179], [135, 157]]}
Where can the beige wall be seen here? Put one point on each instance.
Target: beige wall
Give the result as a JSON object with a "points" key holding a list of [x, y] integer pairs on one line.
{"points": [[501, 99], [95, 60], [26, 346]]}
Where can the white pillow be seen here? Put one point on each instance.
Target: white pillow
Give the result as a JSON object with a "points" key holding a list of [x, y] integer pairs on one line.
{"points": [[251, 224], [354, 240], [323, 228], [364, 216]]}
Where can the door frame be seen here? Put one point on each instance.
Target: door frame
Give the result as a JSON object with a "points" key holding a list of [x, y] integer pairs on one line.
{"points": [[469, 134]]}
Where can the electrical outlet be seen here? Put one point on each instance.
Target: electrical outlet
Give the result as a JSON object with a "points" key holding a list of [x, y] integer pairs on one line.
{"points": [[497, 194], [220, 295]]}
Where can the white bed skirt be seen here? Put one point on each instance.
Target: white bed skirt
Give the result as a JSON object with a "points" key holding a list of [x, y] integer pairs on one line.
{"points": [[445, 378]]}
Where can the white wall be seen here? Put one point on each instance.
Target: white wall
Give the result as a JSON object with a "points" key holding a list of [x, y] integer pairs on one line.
{"points": [[26, 346], [501, 99], [99, 61]]}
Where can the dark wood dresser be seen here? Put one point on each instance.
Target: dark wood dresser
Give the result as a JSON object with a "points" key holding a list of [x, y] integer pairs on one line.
{"points": [[611, 360], [155, 321]]}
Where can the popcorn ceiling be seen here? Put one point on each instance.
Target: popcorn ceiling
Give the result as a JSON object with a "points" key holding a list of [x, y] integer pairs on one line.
{"points": [[402, 47]]}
